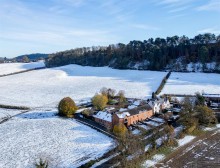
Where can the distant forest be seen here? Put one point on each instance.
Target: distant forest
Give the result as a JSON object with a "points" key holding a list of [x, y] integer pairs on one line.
{"points": [[31, 57], [151, 54]]}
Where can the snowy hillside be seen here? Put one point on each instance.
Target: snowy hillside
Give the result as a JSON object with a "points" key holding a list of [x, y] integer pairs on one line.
{"points": [[189, 83], [64, 142], [45, 88], [8, 68], [198, 67]]}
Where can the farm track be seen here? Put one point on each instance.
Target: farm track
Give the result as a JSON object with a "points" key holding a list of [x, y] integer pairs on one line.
{"points": [[203, 151]]}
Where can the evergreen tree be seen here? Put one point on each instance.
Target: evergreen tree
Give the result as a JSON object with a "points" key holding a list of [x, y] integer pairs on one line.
{"points": [[157, 53], [203, 56]]}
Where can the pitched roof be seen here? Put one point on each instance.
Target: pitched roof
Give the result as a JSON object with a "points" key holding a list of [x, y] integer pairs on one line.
{"points": [[104, 116], [122, 114], [211, 95], [134, 111], [140, 109], [137, 102]]}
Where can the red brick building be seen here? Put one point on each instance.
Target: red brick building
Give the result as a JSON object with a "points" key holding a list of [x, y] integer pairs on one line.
{"points": [[104, 119], [132, 116]]}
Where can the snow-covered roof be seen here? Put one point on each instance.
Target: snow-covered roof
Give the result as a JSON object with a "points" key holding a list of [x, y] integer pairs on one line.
{"points": [[153, 123], [215, 104], [177, 110], [134, 111], [211, 95], [104, 116], [157, 119], [122, 109], [131, 106], [137, 103], [110, 108], [122, 114], [144, 127]]}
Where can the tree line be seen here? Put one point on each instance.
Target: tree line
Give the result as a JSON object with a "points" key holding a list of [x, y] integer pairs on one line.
{"points": [[151, 54]]}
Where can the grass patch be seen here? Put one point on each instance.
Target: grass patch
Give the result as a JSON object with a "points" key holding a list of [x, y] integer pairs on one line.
{"points": [[197, 132], [165, 150]]}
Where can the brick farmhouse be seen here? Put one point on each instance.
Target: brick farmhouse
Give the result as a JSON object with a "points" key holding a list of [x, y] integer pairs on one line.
{"points": [[132, 116], [127, 117]]}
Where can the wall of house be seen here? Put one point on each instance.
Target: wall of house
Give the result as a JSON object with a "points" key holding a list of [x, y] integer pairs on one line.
{"points": [[116, 120], [165, 105], [129, 120], [104, 123], [132, 119], [139, 117]]}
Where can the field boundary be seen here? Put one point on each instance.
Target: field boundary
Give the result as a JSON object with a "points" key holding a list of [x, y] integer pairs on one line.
{"points": [[14, 107], [179, 95], [8, 116], [162, 84], [28, 70]]}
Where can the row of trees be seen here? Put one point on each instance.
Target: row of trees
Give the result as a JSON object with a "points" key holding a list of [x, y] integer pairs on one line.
{"points": [[67, 106], [155, 54], [108, 96]]}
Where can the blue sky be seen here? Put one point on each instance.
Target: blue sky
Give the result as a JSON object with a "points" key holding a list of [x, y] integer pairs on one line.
{"points": [[47, 26]]}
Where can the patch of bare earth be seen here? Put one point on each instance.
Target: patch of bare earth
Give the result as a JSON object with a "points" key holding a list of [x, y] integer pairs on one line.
{"points": [[202, 152]]}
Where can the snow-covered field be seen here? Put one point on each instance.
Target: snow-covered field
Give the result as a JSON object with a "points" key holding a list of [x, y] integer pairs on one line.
{"points": [[45, 88], [39, 134], [159, 157], [189, 83], [7, 113], [8, 68]]}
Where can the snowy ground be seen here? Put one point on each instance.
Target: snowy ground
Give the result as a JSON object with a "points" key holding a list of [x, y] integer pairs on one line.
{"points": [[156, 158], [212, 128], [203, 152], [45, 88], [7, 113], [185, 140], [8, 68], [159, 157], [189, 83], [40, 134]]}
